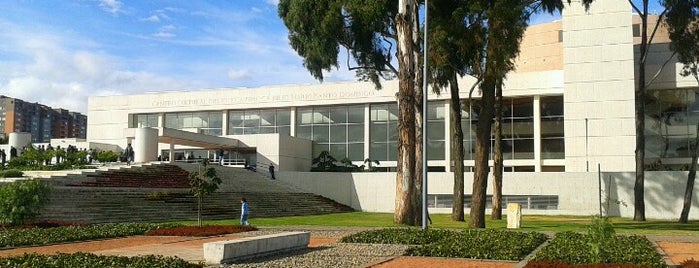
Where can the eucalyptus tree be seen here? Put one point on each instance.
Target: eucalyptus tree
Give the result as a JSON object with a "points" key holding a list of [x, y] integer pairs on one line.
{"points": [[371, 32], [683, 28], [456, 36], [505, 23]]}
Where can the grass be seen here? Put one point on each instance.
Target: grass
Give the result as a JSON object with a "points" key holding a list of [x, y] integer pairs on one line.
{"points": [[536, 223]]}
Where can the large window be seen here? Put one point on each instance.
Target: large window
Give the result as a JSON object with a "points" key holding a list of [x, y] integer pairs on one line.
{"points": [[552, 130], [436, 115], [145, 120], [384, 132], [259, 121], [517, 129], [338, 130], [209, 123], [671, 119]]}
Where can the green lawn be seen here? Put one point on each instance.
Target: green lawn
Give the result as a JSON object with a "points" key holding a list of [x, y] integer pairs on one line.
{"points": [[529, 223]]}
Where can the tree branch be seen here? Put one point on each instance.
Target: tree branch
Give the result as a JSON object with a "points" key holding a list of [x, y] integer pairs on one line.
{"points": [[660, 70]]}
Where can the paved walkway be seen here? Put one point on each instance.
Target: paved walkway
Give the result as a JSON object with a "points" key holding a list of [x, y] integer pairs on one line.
{"points": [[677, 248]]}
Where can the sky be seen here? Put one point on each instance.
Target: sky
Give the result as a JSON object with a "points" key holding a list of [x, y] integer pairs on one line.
{"points": [[60, 52]]}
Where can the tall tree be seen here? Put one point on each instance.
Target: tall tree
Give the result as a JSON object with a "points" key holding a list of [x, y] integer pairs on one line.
{"points": [[683, 27], [498, 165], [506, 22], [371, 32], [456, 36]]}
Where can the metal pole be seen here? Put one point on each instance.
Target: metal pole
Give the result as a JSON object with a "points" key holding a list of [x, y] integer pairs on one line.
{"points": [[587, 163], [599, 188], [424, 124]]}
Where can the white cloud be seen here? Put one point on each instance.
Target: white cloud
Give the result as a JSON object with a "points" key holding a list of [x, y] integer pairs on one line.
{"points": [[166, 31], [272, 2], [238, 74], [59, 71], [111, 6], [152, 18]]}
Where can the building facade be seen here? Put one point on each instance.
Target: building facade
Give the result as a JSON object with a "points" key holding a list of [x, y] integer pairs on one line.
{"points": [[568, 113], [43, 122]]}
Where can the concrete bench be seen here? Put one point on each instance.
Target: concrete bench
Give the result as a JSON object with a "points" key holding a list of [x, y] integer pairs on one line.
{"points": [[249, 247]]}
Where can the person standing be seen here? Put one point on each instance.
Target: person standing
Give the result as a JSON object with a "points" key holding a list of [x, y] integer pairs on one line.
{"points": [[244, 212], [271, 171], [129, 154]]}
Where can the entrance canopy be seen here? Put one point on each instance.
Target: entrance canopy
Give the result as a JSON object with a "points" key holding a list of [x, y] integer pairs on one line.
{"points": [[187, 138]]}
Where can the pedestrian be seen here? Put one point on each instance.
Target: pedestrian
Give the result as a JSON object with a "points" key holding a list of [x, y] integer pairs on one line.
{"points": [[128, 152], [3, 158], [271, 171], [219, 154], [244, 212]]}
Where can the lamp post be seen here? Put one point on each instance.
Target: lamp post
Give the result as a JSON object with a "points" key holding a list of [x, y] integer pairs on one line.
{"points": [[424, 124]]}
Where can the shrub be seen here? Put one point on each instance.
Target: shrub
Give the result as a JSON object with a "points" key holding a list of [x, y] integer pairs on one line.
{"points": [[206, 230], [481, 244], [11, 173], [691, 263], [405, 236], [574, 248], [22, 200], [94, 261], [44, 236]]}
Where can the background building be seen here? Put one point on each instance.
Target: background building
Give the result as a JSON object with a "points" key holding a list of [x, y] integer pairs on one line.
{"points": [[43, 122]]}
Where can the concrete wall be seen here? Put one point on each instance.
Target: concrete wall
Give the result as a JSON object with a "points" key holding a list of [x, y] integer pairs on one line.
{"points": [[578, 192], [599, 86]]}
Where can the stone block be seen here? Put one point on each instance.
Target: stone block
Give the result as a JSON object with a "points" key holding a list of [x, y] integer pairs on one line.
{"points": [[514, 215], [249, 247]]}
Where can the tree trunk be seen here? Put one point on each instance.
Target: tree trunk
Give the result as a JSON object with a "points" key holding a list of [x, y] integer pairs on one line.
{"points": [[496, 213], [405, 174], [199, 208], [417, 192], [689, 189], [483, 127], [457, 151], [639, 103]]}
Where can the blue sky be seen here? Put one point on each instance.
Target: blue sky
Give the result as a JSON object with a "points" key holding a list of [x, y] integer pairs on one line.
{"points": [[59, 52]]}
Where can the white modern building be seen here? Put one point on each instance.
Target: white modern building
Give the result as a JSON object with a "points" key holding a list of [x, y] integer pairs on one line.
{"points": [[569, 112]]}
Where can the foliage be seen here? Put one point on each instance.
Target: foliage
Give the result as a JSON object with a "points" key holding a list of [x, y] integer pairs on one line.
{"points": [[81, 259], [202, 183], [683, 29], [573, 248], [11, 173], [325, 162], [483, 244], [406, 236], [33, 159], [14, 237], [106, 156], [599, 231], [691, 263], [22, 200]]}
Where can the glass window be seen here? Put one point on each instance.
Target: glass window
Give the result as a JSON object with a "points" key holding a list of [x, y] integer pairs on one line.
{"points": [[338, 115], [268, 118]]}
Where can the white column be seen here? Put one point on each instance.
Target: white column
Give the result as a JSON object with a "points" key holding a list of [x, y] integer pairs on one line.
{"points": [[448, 136], [18, 140], [171, 155], [146, 145], [292, 121], [224, 123], [367, 125], [161, 120], [537, 134]]}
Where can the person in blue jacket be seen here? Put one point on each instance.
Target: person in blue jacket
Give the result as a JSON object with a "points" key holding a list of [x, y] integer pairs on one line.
{"points": [[244, 212]]}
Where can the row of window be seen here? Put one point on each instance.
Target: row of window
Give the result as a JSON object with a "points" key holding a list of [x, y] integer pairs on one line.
{"points": [[341, 129]]}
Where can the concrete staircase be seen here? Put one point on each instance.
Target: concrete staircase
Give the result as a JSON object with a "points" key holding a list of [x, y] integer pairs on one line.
{"points": [[135, 194]]}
